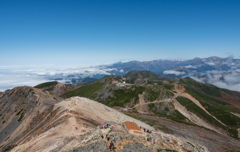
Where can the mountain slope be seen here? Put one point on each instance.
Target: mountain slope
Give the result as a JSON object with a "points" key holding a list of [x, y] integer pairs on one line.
{"points": [[55, 87], [107, 91], [209, 97], [168, 100], [19, 107]]}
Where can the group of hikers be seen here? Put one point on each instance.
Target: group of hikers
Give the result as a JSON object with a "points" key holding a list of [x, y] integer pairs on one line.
{"points": [[107, 137], [112, 144], [145, 130], [150, 139], [108, 125], [148, 131]]}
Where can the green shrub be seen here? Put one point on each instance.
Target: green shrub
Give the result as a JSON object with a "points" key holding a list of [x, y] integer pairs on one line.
{"points": [[46, 84], [19, 112], [168, 86], [20, 118], [191, 144], [7, 138]]}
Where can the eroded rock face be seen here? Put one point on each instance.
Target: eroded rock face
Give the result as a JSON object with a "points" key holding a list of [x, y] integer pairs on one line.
{"points": [[239, 133]]}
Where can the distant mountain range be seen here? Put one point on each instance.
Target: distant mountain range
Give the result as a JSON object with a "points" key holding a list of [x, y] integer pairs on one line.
{"points": [[202, 66], [196, 64], [205, 70], [222, 72]]}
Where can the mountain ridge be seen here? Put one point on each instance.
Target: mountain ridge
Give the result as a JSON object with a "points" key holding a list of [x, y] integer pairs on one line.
{"points": [[203, 115]]}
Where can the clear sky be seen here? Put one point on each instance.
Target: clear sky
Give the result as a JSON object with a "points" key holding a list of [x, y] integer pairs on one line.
{"points": [[65, 32]]}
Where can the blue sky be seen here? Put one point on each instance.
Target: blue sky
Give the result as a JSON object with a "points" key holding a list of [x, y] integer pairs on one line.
{"points": [[106, 31]]}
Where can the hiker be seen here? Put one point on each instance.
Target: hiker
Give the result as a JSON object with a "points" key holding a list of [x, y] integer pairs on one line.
{"points": [[108, 138], [144, 129], [102, 136], [112, 127], [140, 127], [102, 127], [148, 131], [150, 138], [107, 125], [113, 146], [113, 138], [110, 146], [154, 142]]}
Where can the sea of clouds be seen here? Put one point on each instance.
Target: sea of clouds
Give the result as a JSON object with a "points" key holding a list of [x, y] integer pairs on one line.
{"points": [[228, 80], [31, 75], [177, 73]]}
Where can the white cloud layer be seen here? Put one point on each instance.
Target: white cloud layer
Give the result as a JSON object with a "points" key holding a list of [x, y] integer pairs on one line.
{"points": [[228, 80], [174, 72], [193, 66], [210, 63], [13, 76]]}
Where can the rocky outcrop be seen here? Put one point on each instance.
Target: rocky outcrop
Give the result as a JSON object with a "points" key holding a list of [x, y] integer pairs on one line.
{"points": [[125, 142], [60, 88], [239, 133], [56, 88]]}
